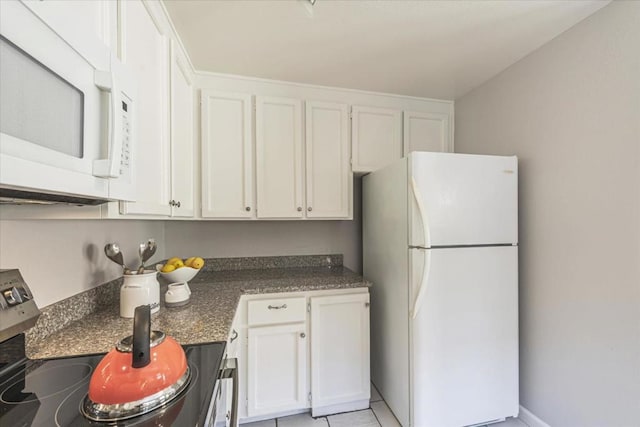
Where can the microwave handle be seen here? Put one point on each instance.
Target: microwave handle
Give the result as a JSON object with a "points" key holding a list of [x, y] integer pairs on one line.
{"points": [[110, 167]]}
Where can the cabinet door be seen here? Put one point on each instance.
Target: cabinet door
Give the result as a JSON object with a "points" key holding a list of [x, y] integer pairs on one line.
{"points": [[227, 155], [376, 137], [426, 132], [182, 145], [145, 50], [88, 26], [328, 170], [277, 369], [279, 157], [339, 352]]}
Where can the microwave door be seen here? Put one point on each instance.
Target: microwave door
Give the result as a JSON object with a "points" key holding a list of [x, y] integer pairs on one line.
{"points": [[58, 117]]}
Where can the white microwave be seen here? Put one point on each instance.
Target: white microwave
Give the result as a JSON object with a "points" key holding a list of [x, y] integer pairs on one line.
{"points": [[66, 113]]}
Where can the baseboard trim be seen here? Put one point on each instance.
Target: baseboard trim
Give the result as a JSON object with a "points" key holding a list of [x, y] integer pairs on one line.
{"points": [[527, 417]]}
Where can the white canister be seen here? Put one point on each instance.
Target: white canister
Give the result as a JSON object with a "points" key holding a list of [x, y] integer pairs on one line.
{"points": [[177, 295], [139, 289]]}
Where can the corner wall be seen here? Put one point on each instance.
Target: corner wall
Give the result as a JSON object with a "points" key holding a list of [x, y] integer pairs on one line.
{"points": [[571, 112], [60, 258]]}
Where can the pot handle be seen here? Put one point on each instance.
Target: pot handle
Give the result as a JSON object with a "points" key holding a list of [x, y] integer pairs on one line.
{"points": [[141, 336]]}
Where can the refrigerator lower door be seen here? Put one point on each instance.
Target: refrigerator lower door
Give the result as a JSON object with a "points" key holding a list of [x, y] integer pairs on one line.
{"points": [[464, 337]]}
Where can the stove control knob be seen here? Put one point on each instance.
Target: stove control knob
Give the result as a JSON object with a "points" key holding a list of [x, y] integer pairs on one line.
{"points": [[12, 296]]}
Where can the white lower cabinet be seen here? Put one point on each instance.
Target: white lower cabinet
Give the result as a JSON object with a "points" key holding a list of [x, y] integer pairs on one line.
{"points": [[277, 369], [302, 350], [339, 353]]}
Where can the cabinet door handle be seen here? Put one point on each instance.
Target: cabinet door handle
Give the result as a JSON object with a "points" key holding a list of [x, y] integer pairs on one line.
{"points": [[303, 335], [234, 336], [309, 208], [172, 202], [366, 304], [178, 204], [248, 209], [299, 209], [277, 307]]}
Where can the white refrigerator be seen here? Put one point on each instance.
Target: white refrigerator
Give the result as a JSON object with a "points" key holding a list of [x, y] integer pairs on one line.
{"points": [[440, 245]]}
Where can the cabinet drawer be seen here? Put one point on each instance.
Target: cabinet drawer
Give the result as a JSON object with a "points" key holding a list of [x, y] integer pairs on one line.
{"points": [[280, 310]]}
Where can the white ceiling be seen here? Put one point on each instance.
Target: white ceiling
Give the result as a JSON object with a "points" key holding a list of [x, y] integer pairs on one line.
{"points": [[437, 49]]}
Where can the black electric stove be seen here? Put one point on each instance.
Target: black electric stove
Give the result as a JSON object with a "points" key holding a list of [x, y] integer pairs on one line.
{"points": [[49, 392]]}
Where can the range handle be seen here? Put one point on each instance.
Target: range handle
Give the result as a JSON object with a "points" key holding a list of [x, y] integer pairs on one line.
{"points": [[229, 370]]}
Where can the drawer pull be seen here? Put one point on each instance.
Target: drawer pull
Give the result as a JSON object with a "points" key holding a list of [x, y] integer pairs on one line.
{"points": [[234, 336], [277, 307]]}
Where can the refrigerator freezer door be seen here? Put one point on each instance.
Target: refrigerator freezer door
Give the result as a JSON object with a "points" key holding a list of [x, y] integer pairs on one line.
{"points": [[466, 199], [464, 339]]}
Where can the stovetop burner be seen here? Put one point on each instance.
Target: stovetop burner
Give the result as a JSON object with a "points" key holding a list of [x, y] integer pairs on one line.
{"points": [[50, 392], [45, 379]]}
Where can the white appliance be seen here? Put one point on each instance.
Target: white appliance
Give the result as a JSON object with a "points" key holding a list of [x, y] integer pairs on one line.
{"points": [[440, 245], [139, 289], [66, 110]]}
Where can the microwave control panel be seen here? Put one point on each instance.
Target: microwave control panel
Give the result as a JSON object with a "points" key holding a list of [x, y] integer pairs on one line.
{"points": [[125, 156]]}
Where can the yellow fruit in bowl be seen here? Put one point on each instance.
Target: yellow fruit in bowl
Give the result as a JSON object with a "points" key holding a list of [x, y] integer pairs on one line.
{"points": [[168, 268], [189, 261], [197, 263], [178, 264], [174, 260]]}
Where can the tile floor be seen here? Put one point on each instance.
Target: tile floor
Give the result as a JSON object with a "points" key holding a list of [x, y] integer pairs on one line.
{"points": [[378, 415]]}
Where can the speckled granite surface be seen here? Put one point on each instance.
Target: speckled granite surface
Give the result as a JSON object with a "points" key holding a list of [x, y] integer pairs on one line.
{"points": [[61, 314], [208, 316], [220, 264]]}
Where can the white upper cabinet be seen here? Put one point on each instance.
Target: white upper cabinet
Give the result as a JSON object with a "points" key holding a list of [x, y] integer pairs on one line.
{"points": [[279, 157], [426, 132], [145, 50], [339, 353], [376, 137], [227, 155], [329, 180], [182, 141], [82, 24]]}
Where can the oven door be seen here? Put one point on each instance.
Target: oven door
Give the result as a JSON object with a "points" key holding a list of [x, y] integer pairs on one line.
{"points": [[223, 410], [63, 122]]}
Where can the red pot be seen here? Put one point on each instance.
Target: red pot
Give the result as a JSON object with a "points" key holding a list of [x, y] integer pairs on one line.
{"points": [[145, 371]]}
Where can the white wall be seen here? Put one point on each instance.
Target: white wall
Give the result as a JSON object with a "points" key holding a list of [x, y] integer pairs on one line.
{"points": [[60, 258], [213, 239], [571, 112]]}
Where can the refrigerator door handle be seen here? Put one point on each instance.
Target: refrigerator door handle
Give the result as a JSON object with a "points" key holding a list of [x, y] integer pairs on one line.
{"points": [[422, 211], [417, 304]]}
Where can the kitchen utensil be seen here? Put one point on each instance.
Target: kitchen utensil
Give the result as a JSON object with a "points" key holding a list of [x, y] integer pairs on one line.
{"points": [[112, 250], [177, 295], [182, 274], [145, 371], [146, 251], [139, 289]]}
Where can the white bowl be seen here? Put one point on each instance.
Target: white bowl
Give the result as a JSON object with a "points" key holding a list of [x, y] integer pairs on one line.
{"points": [[182, 274]]}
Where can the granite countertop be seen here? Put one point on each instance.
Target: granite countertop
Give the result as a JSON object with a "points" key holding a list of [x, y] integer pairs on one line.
{"points": [[208, 316]]}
